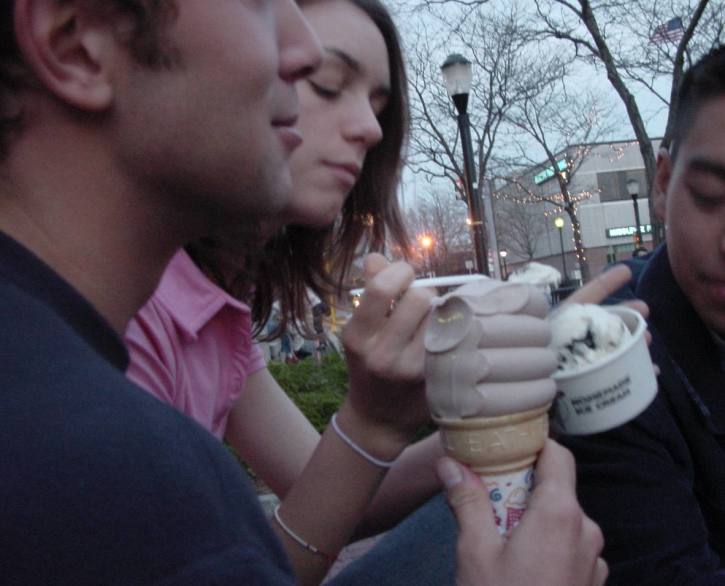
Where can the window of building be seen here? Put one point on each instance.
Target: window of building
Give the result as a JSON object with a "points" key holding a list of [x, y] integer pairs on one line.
{"points": [[613, 184]]}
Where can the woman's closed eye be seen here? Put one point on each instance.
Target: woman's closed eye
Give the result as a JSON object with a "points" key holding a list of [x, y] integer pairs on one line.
{"points": [[324, 91]]}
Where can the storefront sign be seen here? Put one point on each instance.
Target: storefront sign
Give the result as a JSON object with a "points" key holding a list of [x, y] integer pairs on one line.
{"points": [[548, 173], [628, 231]]}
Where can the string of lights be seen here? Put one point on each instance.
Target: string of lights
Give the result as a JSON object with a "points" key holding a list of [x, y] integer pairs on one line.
{"points": [[574, 198], [578, 242], [518, 190]]}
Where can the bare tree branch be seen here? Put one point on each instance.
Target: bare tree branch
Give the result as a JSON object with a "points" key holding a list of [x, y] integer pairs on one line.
{"points": [[501, 38], [655, 60], [519, 228], [441, 218], [562, 126], [507, 70]]}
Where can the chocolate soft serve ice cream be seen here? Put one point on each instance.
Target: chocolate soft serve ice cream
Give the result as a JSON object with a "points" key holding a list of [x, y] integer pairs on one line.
{"points": [[488, 367], [487, 351]]}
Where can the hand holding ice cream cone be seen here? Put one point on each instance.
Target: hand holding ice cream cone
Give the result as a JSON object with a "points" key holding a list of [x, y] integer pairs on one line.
{"points": [[488, 370], [555, 544]]}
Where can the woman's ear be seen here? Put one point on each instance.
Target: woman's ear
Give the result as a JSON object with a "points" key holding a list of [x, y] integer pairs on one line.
{"points": [[68, 48], [662, 182]]}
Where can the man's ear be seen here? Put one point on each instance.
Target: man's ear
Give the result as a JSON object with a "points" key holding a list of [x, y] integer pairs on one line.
{"points": [[67, 46], [662, 182]]}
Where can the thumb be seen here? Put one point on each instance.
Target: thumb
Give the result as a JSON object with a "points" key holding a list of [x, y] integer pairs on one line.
{"points": [[468, 498], [373, 264]]}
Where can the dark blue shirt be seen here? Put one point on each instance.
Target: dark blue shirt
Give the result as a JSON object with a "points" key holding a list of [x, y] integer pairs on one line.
{"points": [[656, 486], [100, 483]]}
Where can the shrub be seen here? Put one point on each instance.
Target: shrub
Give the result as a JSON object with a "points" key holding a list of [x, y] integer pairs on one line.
{"points": [[317, 388]]}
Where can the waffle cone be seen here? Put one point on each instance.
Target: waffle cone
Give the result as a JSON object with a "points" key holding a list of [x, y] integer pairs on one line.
{"points": [[496, 445]]}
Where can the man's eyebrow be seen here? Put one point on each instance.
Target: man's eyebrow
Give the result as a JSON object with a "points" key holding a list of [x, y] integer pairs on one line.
{"points": [[700, 164]]}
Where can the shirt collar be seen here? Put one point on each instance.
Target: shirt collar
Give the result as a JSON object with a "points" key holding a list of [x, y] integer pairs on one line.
{"points": [[28, 272], [191, 298]]}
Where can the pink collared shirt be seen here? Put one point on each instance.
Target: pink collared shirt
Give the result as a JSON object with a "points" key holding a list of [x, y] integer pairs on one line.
{"points": [[191, 345]]}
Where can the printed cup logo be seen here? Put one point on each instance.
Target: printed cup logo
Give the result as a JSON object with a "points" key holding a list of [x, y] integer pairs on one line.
{"points": [[494, 494], [604, 398], [515, 507], [509, 495], [611, 392]]}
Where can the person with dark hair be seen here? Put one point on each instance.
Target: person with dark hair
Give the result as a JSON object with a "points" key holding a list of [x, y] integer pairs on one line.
{"points": [[657, 485], [104, 108], [131, 128], [324, 234]]}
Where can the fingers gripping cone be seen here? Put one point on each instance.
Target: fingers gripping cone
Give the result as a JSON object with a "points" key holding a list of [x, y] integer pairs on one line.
{"points": [[488, 386], [502, 451]]}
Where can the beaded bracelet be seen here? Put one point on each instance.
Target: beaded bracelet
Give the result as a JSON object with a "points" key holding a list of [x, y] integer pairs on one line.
{"points": [[308, 546], [369, 457]]}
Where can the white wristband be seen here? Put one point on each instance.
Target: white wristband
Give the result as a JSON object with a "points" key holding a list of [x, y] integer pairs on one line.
{"points": [[369, 457], [308, 546]]}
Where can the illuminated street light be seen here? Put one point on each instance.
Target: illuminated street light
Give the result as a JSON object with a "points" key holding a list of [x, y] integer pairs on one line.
{"points": [[559, 223], [504, 272]]}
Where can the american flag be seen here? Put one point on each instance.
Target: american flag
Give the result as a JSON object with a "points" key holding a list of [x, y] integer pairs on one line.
{"points": [[671, 31]]}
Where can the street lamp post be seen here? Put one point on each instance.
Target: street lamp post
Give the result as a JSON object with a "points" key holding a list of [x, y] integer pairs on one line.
{"points": [[456, 70], [504, 271], [633, 190], [559, 223]]}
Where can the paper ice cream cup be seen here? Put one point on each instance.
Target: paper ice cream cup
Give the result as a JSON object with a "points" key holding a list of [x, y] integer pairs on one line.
{"points": [[509, 495], [611, 392]]}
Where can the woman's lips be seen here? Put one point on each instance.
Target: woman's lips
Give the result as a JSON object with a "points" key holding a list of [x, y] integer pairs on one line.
{"points": [[345, 173]]}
